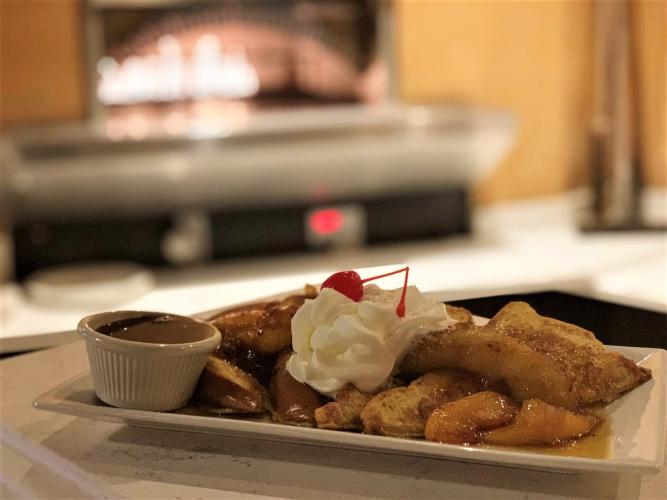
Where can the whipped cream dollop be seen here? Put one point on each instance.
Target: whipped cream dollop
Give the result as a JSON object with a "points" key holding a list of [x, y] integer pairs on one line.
{"points": [[338, 341]]}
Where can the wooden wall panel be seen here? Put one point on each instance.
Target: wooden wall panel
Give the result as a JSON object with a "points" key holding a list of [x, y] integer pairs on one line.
{"points": [[534, 58], [41, 61], [650, 38]]}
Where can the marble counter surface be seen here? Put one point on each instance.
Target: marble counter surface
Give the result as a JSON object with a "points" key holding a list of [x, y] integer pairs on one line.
{"points": [[141, 463]]}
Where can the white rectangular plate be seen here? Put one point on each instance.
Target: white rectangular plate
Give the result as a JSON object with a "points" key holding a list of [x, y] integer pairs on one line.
{"points": [[636, 444]]}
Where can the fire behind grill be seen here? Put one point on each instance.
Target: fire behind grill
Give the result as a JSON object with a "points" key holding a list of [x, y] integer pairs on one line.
{"points": [[302, 51]]}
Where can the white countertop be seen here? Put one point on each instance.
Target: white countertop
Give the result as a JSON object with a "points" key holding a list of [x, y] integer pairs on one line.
{"points": [[522, 246], [142, 463], [158, 464]]}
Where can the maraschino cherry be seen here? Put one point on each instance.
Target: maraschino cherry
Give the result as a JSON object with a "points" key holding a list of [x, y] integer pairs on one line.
{"points": [[350, 284]]}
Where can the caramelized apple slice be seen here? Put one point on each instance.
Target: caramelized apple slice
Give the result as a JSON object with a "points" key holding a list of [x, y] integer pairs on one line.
{"points": [[539, 423], [293, 402], [462, 421], [225, 386]]}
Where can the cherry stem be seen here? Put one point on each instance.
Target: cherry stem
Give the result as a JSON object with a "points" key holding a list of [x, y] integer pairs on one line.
{"points": [[400, 308], [402, 270]]}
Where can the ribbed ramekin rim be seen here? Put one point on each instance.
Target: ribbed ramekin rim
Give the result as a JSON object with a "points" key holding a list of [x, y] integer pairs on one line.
{"points": [[207, 344]]}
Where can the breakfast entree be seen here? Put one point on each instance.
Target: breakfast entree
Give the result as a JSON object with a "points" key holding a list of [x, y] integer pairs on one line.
{"points": [[355, 357]]}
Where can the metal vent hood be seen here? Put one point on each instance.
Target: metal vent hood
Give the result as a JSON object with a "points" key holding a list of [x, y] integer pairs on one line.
{"points": [[277, 158]]}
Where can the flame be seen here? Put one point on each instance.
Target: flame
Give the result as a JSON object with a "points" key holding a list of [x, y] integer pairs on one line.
{"points": [[169, 75]]}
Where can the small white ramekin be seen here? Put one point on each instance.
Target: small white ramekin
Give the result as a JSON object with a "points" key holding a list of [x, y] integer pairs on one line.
{"points": [[142, 375]]}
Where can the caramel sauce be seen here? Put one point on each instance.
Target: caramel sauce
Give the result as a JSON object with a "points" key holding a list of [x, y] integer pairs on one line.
{"points": [[293, 401], [156, 329], [596, 445]]}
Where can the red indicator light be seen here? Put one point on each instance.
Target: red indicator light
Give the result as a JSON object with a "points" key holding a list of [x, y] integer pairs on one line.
{"points": [[326, 221]]}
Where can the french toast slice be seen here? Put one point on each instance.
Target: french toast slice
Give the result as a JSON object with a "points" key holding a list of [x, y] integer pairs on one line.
{"points": [[538, 358], [224, 386], [262, 327], [460, 314], [345, 412], [402, 411]]}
